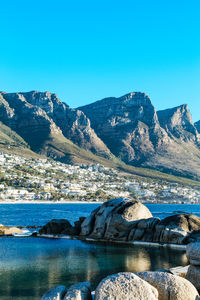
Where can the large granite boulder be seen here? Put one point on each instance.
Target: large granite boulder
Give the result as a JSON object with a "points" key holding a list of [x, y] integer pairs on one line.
{"points": [[55, 293], [79, 291], [126, 286], [113, 219], [55, 226], [6, 230], [170, 287]]}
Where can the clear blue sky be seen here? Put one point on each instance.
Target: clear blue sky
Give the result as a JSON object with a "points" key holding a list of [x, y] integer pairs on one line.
{"points": [[87, 50]]}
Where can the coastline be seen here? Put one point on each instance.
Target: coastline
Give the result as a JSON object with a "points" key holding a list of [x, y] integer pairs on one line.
{"points": [[50, 202], [89, 239]]}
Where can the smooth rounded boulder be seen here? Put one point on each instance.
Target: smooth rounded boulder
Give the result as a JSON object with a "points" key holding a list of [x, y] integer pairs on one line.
{"points": [[126, 286], [114, 218], [170, 287]]}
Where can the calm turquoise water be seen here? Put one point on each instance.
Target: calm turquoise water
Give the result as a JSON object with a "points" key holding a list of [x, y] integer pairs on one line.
{"points": [[30, 266]]}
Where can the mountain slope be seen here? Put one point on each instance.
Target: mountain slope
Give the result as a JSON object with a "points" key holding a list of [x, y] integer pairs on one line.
{"points": [[11, 142], [34, 125], [197, 125], [132, 129], [73, 124]]}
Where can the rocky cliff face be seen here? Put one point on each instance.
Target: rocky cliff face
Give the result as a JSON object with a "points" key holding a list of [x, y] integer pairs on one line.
{"points": [[128, 126], [36, 116], [178, 123], [197, 125], [167, 140]]}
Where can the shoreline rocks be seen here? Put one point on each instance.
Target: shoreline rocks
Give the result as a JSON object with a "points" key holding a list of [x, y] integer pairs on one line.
{"points": [[128, 220], [7, 230]]}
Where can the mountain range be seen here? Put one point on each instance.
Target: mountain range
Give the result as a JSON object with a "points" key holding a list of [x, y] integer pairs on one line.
{"points": [[127, 129]]}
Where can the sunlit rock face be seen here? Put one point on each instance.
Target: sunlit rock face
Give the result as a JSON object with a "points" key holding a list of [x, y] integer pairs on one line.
{"points": [[37, 115], [166, 140], [114, 218], [129, 220]]}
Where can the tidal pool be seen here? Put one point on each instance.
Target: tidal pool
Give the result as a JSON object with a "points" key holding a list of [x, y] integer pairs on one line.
{"points": [[30, 266]]}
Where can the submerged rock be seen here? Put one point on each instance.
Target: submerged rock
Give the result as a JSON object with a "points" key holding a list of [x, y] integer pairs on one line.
{"points": [[170, 287], [79, 291], [55, 293], [126, 286]]}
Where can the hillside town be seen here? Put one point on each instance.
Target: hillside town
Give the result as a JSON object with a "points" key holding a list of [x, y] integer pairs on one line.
{"points": [[25, 179]]}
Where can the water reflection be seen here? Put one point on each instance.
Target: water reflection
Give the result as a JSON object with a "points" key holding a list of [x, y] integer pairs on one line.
{"points": [[30, 266]]}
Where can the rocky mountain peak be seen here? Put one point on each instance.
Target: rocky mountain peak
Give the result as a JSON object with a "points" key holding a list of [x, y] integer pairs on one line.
{"points": [[132, 107], [178, 121], [136, 99]]}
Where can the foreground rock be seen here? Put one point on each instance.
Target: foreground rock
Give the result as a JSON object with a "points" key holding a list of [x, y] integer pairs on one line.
{"points": [[129, 220], [5, 230], [126, 286], [170, 287], [55, 293], [80, 291], [129, 286], [193, 273]]}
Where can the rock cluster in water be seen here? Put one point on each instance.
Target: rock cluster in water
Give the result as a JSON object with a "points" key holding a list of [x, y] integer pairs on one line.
{"points": [[129, 220], [130, 286], [7, 230]]}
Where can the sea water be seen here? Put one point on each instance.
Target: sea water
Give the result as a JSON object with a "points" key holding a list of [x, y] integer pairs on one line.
{"points": [[30, 266]]}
